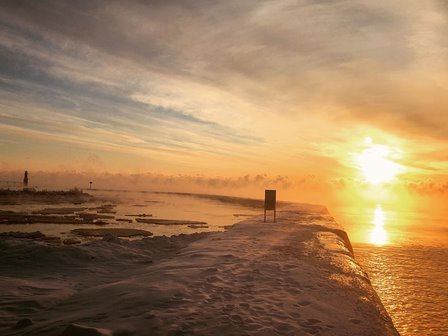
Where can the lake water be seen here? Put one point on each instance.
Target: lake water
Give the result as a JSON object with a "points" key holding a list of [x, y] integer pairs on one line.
{"points": [[217, 212], [406, 257]]}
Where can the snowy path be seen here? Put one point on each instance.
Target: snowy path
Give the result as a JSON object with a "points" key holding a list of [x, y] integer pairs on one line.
{"points": [[294, 277]]}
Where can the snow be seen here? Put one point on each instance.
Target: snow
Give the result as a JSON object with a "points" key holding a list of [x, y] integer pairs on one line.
{"points": [[297, 276]]}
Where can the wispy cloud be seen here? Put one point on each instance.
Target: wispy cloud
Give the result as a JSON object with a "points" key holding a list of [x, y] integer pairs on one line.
{"points": [[234, 85]]}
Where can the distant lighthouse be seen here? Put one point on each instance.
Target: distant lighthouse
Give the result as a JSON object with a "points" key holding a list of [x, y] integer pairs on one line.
{"points": [[25, 179]]}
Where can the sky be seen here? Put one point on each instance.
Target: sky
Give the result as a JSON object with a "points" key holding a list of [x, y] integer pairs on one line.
{"points": [[227, 96]]}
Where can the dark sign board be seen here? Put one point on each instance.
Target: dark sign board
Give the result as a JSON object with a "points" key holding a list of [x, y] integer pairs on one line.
{"points": [[270, 198]]}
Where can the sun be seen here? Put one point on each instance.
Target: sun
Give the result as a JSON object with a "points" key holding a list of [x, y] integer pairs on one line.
{"points": [[376, 163]]}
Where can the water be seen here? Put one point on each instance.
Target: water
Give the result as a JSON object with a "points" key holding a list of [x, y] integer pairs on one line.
{"points": [[412, 283], [406, 257], [216, 212]]}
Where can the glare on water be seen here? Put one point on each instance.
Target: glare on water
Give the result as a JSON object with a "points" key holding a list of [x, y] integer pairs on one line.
{"points": [[378, 235]]}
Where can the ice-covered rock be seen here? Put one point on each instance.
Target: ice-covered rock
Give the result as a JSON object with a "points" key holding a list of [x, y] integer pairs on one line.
{"points": [[82, 330]]}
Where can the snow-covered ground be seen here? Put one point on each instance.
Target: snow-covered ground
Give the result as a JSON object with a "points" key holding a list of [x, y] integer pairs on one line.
{"points": [[294, 277]]}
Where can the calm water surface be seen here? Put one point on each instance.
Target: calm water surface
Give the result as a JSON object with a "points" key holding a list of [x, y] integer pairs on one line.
{"points": [[406, 257], [215, 213]]}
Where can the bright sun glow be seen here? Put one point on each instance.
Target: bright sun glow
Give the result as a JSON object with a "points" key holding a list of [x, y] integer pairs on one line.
{"points": [[376, 163], [378, 235]]}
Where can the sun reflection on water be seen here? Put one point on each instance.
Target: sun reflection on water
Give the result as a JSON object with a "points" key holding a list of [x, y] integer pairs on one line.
{"points": [[378, 236]]}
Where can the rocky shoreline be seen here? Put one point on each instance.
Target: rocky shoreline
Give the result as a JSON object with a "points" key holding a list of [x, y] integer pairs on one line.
{"points": [[13, 197]]}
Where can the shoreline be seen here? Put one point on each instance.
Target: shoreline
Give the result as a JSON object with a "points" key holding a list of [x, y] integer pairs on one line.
{"points": [[296, 276], [25, 196]]}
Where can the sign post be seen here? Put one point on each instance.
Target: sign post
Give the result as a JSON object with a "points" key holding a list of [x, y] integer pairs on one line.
{"points": [[270, 200]]}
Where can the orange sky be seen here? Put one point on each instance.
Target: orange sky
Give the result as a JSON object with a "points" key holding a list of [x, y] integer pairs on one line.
{"points": [[227, 97]]}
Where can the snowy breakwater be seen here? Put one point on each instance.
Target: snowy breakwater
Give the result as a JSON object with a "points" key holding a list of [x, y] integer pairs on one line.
{"points": [[294, 277]]}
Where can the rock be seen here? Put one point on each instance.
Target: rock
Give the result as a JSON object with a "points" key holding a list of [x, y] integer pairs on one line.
{"points": [[124, 220], [226, 227], [140, 215], [23, 323], [71, 241], [100, 222], [169, 221], [112, 232], [51, 240], [198, 226], [59, 211], [109, 237], [35, 235], [24, 235], [82, 330], [243, 215]]}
